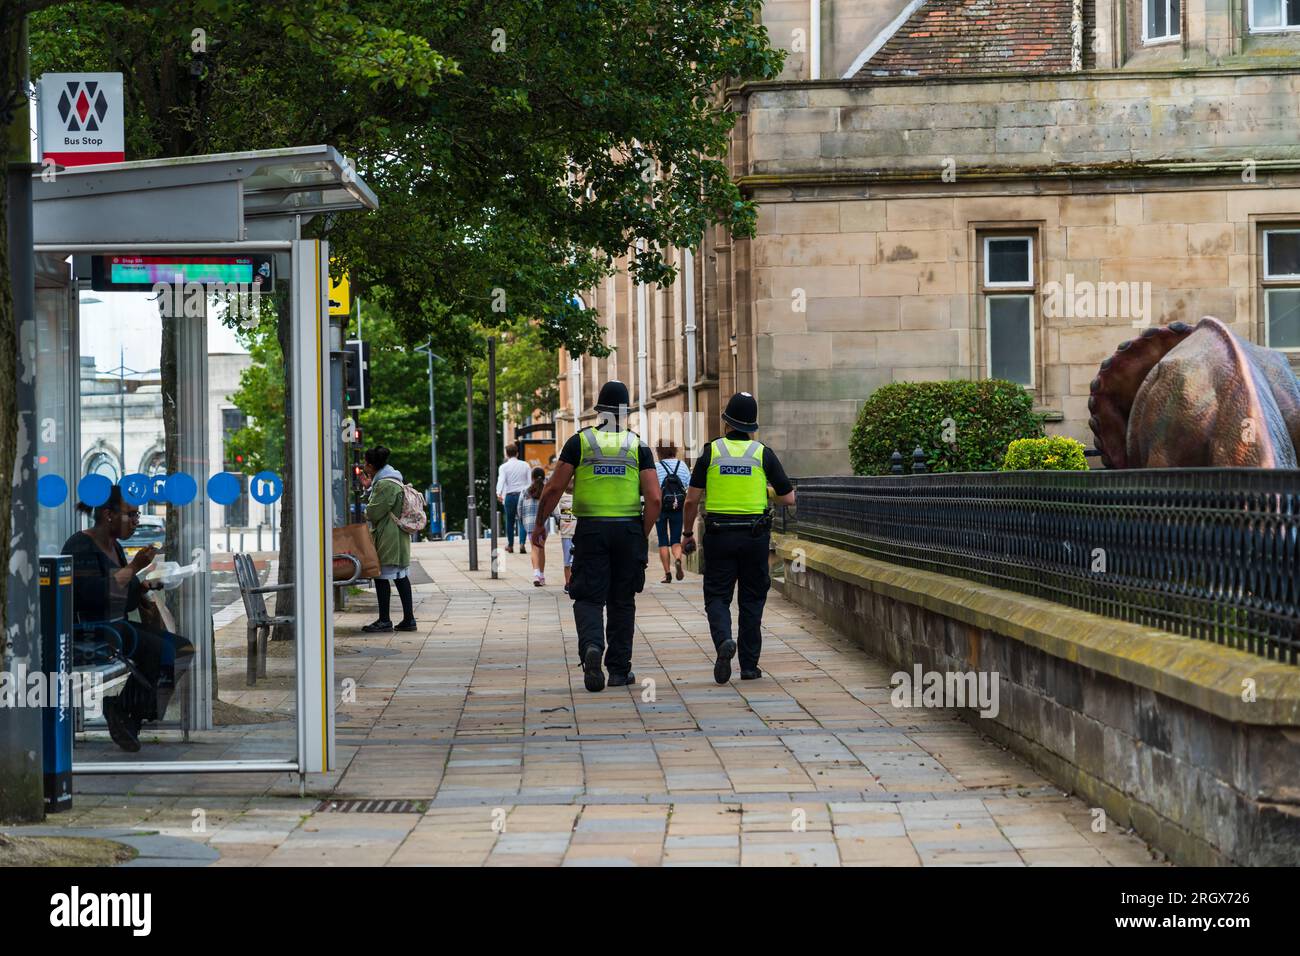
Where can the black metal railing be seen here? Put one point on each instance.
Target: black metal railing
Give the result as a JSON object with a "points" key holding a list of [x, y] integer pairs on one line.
{"points": [[1210, 553]]}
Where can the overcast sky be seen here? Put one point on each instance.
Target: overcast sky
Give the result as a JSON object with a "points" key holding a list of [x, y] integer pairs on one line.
{"points": [[130, 321]]}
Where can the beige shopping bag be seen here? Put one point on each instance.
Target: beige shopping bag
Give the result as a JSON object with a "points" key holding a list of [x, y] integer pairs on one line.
{"points": [[354, 539]]}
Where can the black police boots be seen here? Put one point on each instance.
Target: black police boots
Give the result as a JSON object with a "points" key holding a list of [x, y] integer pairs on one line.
{"points": [[593, 678], [722, 666]]}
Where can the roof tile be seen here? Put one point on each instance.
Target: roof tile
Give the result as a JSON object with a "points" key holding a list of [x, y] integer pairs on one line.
{"points": [[978, 36]]}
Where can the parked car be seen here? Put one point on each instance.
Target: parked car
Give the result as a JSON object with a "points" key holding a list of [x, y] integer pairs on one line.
{"points": [[152, 530]]}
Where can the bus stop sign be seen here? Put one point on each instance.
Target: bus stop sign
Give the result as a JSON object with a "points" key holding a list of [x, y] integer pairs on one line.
{"points": [[81, 118]]}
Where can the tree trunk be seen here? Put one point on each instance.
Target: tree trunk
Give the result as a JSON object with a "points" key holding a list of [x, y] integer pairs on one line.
{"points": [[13, 80], [21, 738], [285, 600]]}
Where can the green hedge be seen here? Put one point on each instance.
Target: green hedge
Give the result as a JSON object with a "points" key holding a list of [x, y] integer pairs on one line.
{"points": [[962, 426], [1045, 454]]}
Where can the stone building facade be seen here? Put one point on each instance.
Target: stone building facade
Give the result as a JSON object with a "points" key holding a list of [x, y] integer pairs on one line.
{"points": [[974, 189]]}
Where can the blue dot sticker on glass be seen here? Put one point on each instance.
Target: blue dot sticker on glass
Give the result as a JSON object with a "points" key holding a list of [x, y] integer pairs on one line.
{"points": [[135, 488], [266, 487], [223, 488], [180, 489], [158, 488], [93, 490], [51, 491]]}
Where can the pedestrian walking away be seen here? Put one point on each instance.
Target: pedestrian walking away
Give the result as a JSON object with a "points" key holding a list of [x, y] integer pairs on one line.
{"points": [[612, 472], [673, 477], [392, 544], [529, 506], [733, 475], [513, 476]]}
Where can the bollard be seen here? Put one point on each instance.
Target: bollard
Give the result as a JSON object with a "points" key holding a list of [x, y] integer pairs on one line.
{"points": [[896, 463], [227, 539], [918, 461], [259, 537]]}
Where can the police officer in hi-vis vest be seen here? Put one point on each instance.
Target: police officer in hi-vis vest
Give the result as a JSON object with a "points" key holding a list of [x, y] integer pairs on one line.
{"points": [[733, 474], [612, 471]]}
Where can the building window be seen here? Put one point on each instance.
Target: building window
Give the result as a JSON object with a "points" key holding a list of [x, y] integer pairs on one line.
{"points": [[1282, 289], [1161, 20], [1008, 262], [1269, 15], [1009, 293], [101, 463]]}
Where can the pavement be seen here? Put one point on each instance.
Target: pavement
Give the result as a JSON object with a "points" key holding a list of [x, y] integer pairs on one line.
{"points": [[473, 742]]}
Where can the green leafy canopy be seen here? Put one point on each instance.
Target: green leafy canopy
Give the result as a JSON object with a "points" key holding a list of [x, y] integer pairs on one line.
{"points": [[518, 148]]}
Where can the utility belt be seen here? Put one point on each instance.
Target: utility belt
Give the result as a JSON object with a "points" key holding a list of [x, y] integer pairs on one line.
{"points": [[757, 525], [604, 518]]}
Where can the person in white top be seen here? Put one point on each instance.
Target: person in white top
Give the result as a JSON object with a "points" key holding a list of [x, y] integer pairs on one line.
{"points": [[512, 478]]}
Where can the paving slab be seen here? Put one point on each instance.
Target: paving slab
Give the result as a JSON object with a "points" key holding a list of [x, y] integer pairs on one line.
{"points": [[481, 717]]}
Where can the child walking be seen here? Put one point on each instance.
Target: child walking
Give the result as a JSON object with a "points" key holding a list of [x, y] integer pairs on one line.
{"points": [[528, 504], [568, 522]]}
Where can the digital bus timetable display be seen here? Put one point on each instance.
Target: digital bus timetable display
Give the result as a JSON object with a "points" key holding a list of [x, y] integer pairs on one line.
{"points": [[143, 273]]}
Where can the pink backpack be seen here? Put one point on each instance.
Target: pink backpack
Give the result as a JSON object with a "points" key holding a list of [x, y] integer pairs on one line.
{"points": [[412, 517]]}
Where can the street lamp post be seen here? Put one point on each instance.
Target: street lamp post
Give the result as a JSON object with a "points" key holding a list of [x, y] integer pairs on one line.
{"points": [[471, 512], [121, 373], [433, 423], [434, 503], [492, 445]]}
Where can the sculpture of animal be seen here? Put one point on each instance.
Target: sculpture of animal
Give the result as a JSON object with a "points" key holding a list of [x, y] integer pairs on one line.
{"points": [[1184, 397]]}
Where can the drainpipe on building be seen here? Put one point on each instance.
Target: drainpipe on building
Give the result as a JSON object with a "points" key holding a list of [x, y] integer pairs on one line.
{"points": [[1076, 36], [642, 353], [815, 39], [689, 296]]}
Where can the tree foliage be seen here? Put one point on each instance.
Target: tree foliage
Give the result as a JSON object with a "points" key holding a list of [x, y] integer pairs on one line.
{"points": [[518, 148], [260, 396]]}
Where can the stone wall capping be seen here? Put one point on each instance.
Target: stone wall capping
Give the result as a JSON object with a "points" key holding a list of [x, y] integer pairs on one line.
{"points": [[1229, 168], [1197, 673], [1195, 74]]}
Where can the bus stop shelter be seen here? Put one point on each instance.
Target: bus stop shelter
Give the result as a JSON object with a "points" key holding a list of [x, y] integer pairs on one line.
{"points": [[102, 233]]}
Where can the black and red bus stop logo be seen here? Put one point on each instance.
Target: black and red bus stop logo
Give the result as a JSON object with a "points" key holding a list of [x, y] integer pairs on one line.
{"points": [[82, 106]]}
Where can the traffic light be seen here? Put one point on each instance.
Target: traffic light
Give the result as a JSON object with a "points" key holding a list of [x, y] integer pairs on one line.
{"points": [[356, 375]]}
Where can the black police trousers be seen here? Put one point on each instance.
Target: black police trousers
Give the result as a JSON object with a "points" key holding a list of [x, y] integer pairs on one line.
{"points": [[736, 557], [609, 556]]}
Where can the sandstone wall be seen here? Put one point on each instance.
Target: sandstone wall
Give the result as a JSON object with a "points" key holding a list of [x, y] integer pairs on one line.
{"points": [[891, 293]]}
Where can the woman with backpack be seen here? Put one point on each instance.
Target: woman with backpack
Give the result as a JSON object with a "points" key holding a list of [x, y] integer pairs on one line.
{"points": [[393, 545], [529, 500], [673, 476]]}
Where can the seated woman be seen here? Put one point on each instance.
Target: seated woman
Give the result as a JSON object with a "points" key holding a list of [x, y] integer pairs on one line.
{"points": [[105, 590]]}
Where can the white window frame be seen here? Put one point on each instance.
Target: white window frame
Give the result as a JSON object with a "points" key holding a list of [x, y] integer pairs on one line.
{"points": [[1273, 283], [1177, 28], [1289, 28], [1268, 234], [1033, 334], [989, 284]]}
